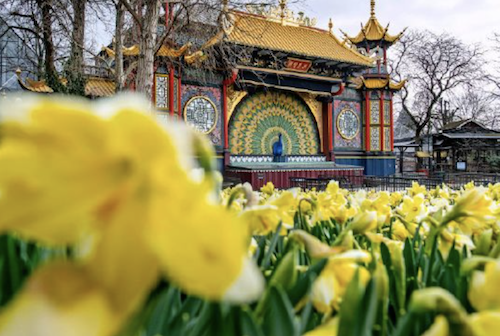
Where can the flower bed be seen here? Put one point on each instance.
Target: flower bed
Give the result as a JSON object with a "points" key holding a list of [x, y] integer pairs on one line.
{"points": [[113, 225]]}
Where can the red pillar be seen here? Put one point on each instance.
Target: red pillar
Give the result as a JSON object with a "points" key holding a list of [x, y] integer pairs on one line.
{"points": [[382, 122], [171, 91], [392, 124], [153, 96], [328, 131], [331, 154], [179, 94], [367, 121], [226, 126]]}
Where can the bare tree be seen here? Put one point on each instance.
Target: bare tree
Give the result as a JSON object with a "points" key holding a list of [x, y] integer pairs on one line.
{"points": [[75, 73], [476, 104], [56, 31], [436, 66], [494, 76]]}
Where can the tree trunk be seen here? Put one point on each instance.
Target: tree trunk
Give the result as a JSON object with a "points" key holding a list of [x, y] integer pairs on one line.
{"points": [[119, 79], [75, 71], [51, 75], [145, 67]]}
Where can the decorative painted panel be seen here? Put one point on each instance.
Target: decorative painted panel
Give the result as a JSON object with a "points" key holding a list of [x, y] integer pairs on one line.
{"points": [[387, 112], [387, 139], [350, 94], [260, 118], [161, 92], [214, 95], [316, 107], [374, 112], [201, 114], [347, 124], [375, 139], [176, 96]]}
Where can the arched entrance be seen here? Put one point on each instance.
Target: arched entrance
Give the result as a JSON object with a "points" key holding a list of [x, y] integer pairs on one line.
{"points": [[261, 117]]}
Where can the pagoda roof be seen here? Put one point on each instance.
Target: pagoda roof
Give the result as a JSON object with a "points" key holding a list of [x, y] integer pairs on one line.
{"points": [[378, 83], [265, 33], [94, 87], [164, 51], [373, 31]]}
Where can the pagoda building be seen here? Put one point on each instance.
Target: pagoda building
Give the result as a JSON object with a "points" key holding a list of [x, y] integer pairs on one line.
{"points": [[377, 90], [330, 100]]}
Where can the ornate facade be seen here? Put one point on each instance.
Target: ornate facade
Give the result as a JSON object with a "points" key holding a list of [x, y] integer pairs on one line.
{"points": [[330, 99]]}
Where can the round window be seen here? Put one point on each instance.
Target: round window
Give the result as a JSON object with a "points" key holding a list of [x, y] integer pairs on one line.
{"points": [[348, 124], [201, 114]]}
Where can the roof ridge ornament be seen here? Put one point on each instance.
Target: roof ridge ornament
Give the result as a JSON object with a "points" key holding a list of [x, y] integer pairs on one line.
{"points": [[283, 10], [330, 26], [372, 8], [281, 13]]}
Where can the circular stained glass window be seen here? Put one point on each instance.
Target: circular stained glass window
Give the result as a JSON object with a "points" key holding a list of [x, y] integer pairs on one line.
{"points": [[348, 124], [201, 114]]}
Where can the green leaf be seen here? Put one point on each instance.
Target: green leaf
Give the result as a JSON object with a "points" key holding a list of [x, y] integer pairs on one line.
{"points": [[285, 273], [405, 325], [189, 311], [279, 315], [368, 309], [305, 317], [165, 308], [272, 246], [248, 324], [351, 311], [305, 281]]}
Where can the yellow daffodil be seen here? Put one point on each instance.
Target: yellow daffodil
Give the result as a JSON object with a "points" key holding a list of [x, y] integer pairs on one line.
{"points": [[396, 198], [380, 205], [61, 300], [364, 221], [416, 189], [329, 288], [460, 240], [343, 214], [286, 204], [399, 231], [471, 212], [413, 209], [262, 219], [483, 289], [315, 248], [485, 323], [70, 170], [439, 328], [268, 189]]}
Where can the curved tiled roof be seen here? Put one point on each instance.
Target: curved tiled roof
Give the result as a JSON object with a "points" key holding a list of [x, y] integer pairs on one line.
{"points": [[258, 31], [373, 31], [378, 83], [94, 87]]}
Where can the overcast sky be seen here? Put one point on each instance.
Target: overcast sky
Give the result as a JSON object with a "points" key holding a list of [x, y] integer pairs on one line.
{"points": [[472, 21]]}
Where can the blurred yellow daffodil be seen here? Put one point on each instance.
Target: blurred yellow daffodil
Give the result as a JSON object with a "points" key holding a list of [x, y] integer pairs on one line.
{"points": [[71, 170]]}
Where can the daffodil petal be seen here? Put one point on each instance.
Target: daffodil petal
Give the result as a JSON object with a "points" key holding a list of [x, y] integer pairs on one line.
{"points": [[60, 299]]}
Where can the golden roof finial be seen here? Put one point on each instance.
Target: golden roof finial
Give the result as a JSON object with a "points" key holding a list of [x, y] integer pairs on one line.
{"points": [[283, 10], [225, 4], [372, 11], [330, 25]]}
